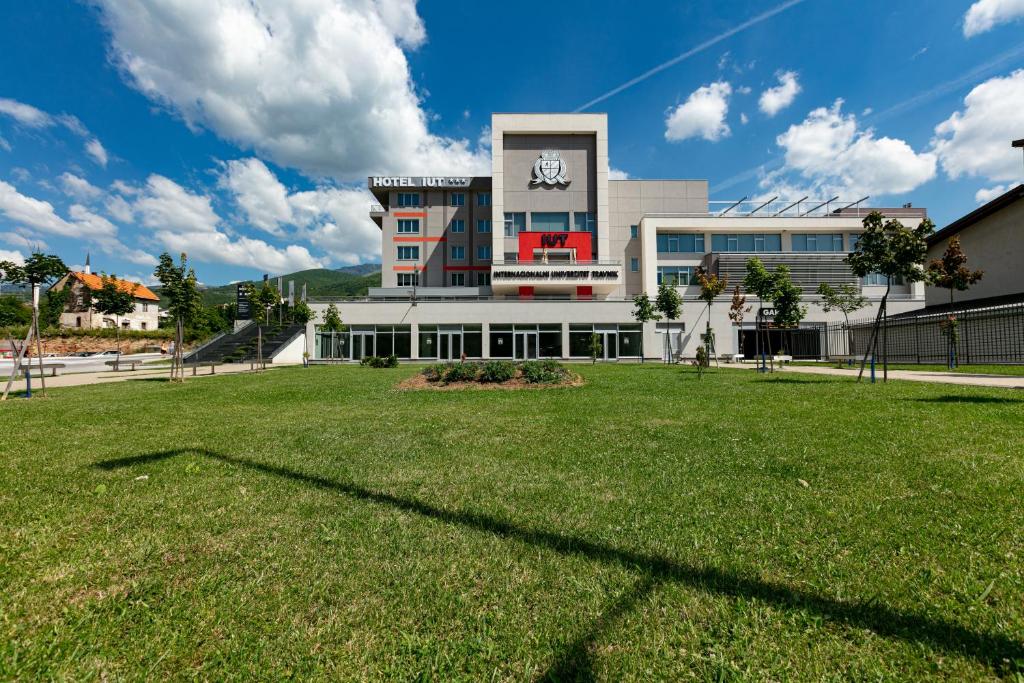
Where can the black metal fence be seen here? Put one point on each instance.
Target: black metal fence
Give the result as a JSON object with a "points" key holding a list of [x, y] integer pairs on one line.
{"points": [[985, 335]]}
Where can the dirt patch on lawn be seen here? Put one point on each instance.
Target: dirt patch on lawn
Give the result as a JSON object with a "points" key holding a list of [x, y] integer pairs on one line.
{"points": [[418, 382]]}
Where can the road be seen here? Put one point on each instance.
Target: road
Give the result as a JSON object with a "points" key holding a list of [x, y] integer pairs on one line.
{"points": [[74, 364]]}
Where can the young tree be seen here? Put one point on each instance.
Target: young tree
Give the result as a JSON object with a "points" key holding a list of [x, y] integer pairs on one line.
{"points": [[951, 272], [52, 307], [711, 286], [596, 347], [786, 300], [759, 282], [738, 308], [332, 320], [180, 290], [301, 313], [846, 299], [670, 305], [111, 299], [895, 251], [41, 270], [644, 312]]}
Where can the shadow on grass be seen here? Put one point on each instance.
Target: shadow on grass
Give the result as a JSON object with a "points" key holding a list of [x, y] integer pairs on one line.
{"points": [[953, 398], [795, 380], [999, 652]]}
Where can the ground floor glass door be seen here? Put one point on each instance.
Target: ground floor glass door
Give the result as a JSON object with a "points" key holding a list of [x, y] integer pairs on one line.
{"points": [[525, 345], [449, 345], [611, 345], [362, 345]]}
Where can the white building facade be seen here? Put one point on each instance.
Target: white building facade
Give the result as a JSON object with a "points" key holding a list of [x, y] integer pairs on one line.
{"points": [[548, 250]]}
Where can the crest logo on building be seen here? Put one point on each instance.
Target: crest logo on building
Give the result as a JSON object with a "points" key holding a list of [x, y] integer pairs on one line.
{"points": [[550, 169]]}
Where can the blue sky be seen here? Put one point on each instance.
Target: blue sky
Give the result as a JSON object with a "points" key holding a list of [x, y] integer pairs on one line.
{"points": [[242, 132]]}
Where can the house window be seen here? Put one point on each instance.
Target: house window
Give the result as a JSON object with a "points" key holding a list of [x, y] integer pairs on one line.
{"points": [[458, 225], [483, 253], [483, 199], [408, 279], [483, 225], [549, 221], [685, 243], [408, 225], [634, 264], [144, 326], [879, 280], [584, 222], [126, 325], [634, 232], [408, 253], [458, 279], [818, 242], [515, 223], [483, 279], [676, 276], [458, 199], [748, 242], [408, 198], [78, 321], [458, 253]]}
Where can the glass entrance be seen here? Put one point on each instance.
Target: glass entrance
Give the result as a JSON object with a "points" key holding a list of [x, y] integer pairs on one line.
{"points": [[611, 345], [362, 345], [525, 345], [449, 346]]}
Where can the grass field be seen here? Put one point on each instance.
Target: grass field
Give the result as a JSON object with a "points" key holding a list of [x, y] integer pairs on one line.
{"points": [[649, 525], [1011, 370]]}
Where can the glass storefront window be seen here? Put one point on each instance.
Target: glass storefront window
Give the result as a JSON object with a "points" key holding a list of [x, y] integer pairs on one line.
{"points": [[428, 341]]}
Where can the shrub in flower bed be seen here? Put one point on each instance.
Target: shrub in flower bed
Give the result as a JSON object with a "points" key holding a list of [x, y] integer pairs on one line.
{"points": [[379, 361], [497, 371], [543, 371], [461, 372]]}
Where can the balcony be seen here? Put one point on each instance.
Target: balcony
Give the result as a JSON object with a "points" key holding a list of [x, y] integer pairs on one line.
{"points": [[555, 276], [807, 268]]}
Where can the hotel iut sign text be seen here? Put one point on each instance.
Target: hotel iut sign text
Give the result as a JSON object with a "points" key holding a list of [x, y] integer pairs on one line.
{"points": [[418, 181]]}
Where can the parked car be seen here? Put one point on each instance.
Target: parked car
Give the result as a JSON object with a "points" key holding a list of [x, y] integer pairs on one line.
{"points": [[82, 354], [109, 352]]}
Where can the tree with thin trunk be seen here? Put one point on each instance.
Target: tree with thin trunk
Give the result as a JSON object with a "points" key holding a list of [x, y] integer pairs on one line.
{"points": [[596, 348], [711, 286], [951, 272], [39, 270], [897, 252], [114, 299], [670, 305], [760, 282], [846, 299], [180, 290], [332, 323], [644, 312], [738, 309]]}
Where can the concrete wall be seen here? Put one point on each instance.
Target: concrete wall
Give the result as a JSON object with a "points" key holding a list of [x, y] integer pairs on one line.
{"points": [[994, 244]]}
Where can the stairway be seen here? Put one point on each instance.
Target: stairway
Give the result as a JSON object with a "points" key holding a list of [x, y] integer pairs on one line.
{"points": [[241, 346]]}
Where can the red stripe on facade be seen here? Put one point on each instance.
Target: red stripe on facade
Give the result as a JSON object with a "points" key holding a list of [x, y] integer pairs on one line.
{"points": [[409, 269], [410, 214]]}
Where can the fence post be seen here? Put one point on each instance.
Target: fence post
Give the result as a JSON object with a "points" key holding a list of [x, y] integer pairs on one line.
{"points": [[967, 346], [917, 338]]}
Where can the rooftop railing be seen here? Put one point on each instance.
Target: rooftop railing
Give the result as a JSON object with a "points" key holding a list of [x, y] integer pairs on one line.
{"points": [[536, 261]]}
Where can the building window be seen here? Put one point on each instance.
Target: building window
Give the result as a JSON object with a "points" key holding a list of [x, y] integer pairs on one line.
{"points": [[680, 243], [408, 253], [458, 199], [483, 199], [483, 253], [818, 242], [145, 307], [78, 321], [584, 222], [483, 225], [634, 232], [408, 279], [144, 326], [634, 264], [879, 280], [458, 225], [676, 276], [458, 253], [408, 198], [458, 279], [408, 225], [746, 242], [515, 223], [549, 221], [483, 279]]}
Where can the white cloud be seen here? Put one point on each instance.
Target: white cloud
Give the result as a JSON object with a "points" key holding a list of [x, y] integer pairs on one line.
{"points": [[976, 141], [4, 145], [35, 213], [185, 221], [124, 188], [25, 114], [23, 238], [14, 257], [96, 150], [617, 174], [743, 119], [321, 85], [985, 195], [775, 99], [984, 15], [258, 192], [702, 115], [119, 209], [79, 187], [828, 153]]}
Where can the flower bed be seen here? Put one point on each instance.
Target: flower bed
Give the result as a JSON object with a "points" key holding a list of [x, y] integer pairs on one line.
{"points": [[495, 374]]}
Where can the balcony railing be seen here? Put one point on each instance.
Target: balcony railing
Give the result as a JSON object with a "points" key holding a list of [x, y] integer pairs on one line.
{"points": [[550, 262], [377, 208]]}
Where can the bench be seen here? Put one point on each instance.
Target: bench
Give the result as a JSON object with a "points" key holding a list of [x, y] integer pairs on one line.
{"points": [[43, 367], [205, 364], [116, 364]]}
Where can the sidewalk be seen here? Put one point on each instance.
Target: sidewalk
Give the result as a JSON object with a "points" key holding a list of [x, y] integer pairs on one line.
{"points": [[106, 376], [1001, 381]]}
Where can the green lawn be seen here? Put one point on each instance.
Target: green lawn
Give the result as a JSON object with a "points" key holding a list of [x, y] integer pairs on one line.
{"points": [[1012, 370], [320, 524]]}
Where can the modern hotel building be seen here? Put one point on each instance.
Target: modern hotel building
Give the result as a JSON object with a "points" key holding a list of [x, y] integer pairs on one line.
{"points": [[548, 250]]}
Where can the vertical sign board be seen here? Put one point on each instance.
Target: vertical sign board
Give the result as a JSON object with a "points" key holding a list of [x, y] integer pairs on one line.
{"points": [[243, 312], [291, 293]]}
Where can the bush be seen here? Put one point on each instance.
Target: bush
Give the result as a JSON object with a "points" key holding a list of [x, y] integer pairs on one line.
{"points": [[543, 371], [379, 361], [434, 372], [497, 371], [461, 372]]}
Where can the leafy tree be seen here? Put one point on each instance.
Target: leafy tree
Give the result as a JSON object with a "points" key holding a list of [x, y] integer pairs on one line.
{"points": [[846, 299], [14, 312], [261, 300], [39, 271], [596, 347], [332, 320], [180, 291], [759, 282], [951, 272], [895, 251], [643, 312], [711, 286], [738, 308], [11, 272], [51, 308], [670, 305], [301, 313], [778, 288], [112, 299]]}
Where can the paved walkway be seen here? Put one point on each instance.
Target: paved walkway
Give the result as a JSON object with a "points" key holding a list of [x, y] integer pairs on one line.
{"points": [[80, 378], [977, 380]]}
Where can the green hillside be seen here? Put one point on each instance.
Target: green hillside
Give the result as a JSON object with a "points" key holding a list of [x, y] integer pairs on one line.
{"points": [[318, 281]]}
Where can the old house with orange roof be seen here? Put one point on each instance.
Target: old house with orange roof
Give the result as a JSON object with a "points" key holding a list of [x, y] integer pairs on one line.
{"points": [[78, 310]]}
